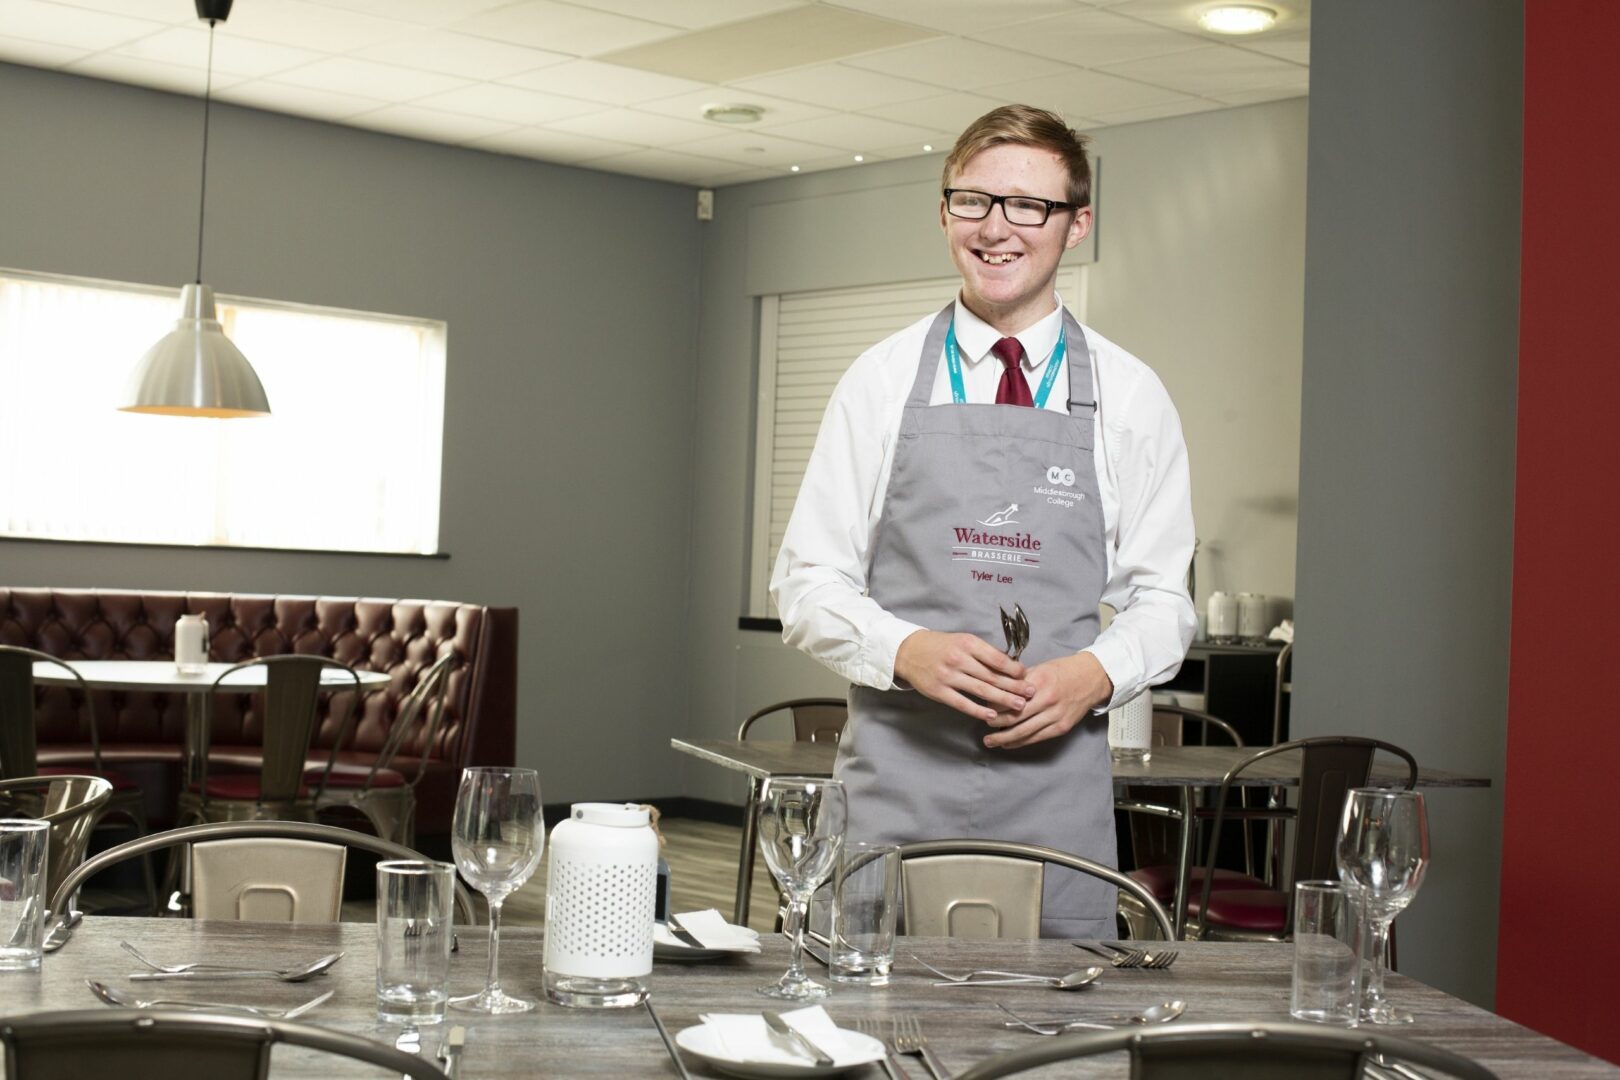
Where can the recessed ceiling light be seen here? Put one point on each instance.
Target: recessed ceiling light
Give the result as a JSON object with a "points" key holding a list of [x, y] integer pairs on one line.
{"points": [[793, 168], [733, 114], [928, 148], [1237, 19], [860, 157]]}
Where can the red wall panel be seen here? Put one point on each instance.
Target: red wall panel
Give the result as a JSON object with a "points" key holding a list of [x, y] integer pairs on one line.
{"points": [[1560, 842]]}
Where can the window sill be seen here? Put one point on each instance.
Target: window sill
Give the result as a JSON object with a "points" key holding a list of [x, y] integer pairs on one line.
{"points": [[223, 547]]}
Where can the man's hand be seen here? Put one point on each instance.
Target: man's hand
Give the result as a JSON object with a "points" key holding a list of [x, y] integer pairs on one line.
{"points": [[954, 668], [1066, 690]]}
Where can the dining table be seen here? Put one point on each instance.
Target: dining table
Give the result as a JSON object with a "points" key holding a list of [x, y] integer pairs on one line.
{"points": [[1217, 981], [1186, 769]]}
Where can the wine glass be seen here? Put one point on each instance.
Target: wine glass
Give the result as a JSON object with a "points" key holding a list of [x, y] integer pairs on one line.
{"points": [[1384, 848], [801, 827], [497, 836]]}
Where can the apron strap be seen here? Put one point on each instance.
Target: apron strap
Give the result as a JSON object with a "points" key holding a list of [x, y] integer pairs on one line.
{"points": [[922, 388], [1081, 394]]}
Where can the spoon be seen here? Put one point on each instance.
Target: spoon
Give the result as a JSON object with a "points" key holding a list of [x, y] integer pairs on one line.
{"points": [[297, 974], [116, 997], [1074, 980], [1162, 1013]]}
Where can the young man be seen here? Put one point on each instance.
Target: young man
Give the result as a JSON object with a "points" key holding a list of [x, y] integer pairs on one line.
{"points": [[995, 455]]}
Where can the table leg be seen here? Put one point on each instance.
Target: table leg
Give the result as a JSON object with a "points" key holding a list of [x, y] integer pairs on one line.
{"points": [[1189, 830], [745, 857]]}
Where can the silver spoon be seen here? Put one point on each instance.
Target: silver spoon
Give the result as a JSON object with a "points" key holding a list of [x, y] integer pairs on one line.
{"points": [[1074, 980], [297, 974], [116, 997], [1162, 1013]]}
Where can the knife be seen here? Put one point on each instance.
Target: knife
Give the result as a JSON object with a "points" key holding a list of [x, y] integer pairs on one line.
{"points": [[450, 1052], [681, 933], [782, 1027]]}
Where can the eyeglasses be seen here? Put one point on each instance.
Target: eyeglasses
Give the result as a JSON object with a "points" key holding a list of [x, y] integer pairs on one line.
{"points": [[1018, 209]]}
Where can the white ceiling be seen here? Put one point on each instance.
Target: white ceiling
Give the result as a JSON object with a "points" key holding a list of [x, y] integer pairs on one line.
{"points": [[881, 79]]}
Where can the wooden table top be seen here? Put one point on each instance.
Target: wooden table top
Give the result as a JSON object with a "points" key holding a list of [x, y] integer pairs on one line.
{"points": [[1219, 982], [1168, 766]]}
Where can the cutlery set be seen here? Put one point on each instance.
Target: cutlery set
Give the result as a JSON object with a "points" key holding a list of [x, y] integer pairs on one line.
{"points": [[1122, 957]]}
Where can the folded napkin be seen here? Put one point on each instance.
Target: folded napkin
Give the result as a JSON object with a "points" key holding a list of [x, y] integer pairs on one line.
{"points": [[745, 1037], [1283, 631], [711, 928]]}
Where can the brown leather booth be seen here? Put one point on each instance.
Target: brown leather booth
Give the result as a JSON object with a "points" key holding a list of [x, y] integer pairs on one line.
{"points": [[143, 732]]}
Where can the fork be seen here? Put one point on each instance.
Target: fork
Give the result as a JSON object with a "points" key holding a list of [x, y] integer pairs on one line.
{"points": [[908, 1038], [1121, 958], [973, 975], [1162, 959], [880, 1032]]}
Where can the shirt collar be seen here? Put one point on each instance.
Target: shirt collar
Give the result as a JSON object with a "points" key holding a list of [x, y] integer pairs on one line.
{"points": [[974, 336]]}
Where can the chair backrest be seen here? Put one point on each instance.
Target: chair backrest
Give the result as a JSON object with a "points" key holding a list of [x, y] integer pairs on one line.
{"points": [[1282, 1050], [992, 888], [19, 741], [240, 830], [267, 879], [161, 1045], [814, 719], [69, 804], [293, 684], [1170, 723], [1330, 765], [424, 704]]}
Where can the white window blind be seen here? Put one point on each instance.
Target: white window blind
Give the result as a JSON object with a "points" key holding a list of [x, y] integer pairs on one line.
{"points": [[806, 342], [348, 460]]}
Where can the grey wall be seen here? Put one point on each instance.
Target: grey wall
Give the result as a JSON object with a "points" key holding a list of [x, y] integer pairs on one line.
{"points": [[571, 303], [1200, 251], [1407, 455]]}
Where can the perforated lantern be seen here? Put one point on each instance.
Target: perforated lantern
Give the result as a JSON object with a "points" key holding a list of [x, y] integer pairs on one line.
{"points": [[601, 888]]}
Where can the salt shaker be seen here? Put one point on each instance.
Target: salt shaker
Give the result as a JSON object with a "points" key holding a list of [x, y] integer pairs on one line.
{"points": [[601, 884], [191, 644], [1130, 729]]}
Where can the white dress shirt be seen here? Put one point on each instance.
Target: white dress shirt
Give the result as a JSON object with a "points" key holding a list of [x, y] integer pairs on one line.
{"points": [[820, 579]]}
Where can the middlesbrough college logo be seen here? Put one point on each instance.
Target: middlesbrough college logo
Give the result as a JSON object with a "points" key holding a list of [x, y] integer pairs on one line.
{"points": [[1059, 475]]}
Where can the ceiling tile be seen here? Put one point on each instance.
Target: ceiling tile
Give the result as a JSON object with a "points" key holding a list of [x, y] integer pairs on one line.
{"points": [[311, 26], [1211, 71], [187, 46], [430, 124], [1183, 15], [958, 16], [785, 39], [56, 24], [1264, 93], [948, 112], [1091, 38], [1293, 46], [1078, 93], [758, 148], [666, 165], [957, 64], [450, 53], [173, 14], [425, 12], [691, 106], [608, 83], [631, 126], [1184, 107], [298, 100], [840, 161], [151, 73], [40, 54], [507, 103], [847, 131], [694, 14], [368, 78], [580, 31], [550, 145], [838, 86]]}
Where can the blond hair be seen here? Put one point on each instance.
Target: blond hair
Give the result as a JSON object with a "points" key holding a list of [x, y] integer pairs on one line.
{"points": [[1026, 125]]}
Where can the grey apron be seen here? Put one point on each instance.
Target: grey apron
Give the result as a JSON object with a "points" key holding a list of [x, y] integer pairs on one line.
{"points": [[987, 506]]}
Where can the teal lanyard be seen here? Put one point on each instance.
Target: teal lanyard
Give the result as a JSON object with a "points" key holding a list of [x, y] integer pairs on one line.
{"points": [[953, 362]]}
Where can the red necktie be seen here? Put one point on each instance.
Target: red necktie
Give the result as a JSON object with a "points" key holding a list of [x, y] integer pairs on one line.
{"points": [[1013, 390]]}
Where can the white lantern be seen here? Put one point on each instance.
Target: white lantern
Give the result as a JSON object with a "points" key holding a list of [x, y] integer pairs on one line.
{"points": [[601, 888]]}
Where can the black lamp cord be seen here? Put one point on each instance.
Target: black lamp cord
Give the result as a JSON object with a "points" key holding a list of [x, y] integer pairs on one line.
{"points": [[202, 200]]}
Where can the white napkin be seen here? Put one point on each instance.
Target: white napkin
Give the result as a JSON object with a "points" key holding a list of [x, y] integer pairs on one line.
{"points": [[745, 1037], [711, 928], [1283, 631]]}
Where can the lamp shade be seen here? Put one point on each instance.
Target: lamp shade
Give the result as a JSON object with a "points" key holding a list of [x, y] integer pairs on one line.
{"points": [[194, 369]]}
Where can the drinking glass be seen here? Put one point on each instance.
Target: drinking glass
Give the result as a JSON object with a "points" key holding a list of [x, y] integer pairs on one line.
{"points": [[414, 901], [801, 827], [1384, 848], [497, 837]]}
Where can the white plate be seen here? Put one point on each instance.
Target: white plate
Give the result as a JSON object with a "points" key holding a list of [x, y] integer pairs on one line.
{"points": [[677, 950], [703, 1042]]}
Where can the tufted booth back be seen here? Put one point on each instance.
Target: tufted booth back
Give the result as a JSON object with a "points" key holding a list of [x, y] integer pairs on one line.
{"points": [[400, 637]]}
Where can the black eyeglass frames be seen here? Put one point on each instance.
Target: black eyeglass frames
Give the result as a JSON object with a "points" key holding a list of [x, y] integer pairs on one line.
{"points": [[1019, 209]]}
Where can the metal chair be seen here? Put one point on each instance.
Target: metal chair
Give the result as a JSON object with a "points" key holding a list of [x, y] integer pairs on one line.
{"points": [[19, 743], [163, 1044], [293, 685], [814, 720], [992, 888], [278, 867], [1267, 1051], [382, 793], [1330, 766], [70, 805]]}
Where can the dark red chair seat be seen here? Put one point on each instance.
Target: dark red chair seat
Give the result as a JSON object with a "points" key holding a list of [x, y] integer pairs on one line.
{"points": [[1261, 910], [241, 786], [1162, 881], [118, 780], [352, 776]]}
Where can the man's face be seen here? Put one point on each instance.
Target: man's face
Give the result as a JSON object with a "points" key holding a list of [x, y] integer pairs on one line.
{"points": [[1008, 270]]}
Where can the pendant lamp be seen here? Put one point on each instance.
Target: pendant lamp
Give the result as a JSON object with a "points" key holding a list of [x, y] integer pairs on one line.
{"points": [[195, 370]]}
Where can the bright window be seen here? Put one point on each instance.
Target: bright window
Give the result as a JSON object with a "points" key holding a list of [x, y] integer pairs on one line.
{"points": [[348, 460]]}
